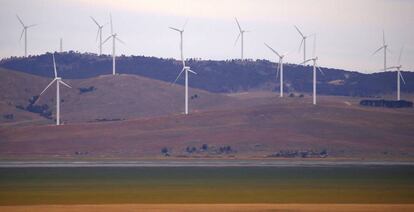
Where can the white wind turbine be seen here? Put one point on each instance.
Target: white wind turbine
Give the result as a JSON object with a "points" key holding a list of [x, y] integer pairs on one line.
{"points": [[303, 41], [241, 34], [279, 68], [24, 31], [385, 47], [114, 39], [185, 69], [399, 75], [315, 66], [58, 81], [99, 34]]}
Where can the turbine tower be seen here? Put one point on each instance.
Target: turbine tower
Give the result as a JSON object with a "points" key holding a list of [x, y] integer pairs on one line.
{"points": [[61, 45], [279, 68], [303, 41], [58, 81], [114, 39], [185, 69], [241, 34], [98, 34], [24, 31], [315, 66], [385, 47], [399, 75]]}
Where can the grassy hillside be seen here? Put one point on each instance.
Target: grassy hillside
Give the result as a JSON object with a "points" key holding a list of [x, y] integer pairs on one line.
{"points": [[105, 97], [338, 125]]}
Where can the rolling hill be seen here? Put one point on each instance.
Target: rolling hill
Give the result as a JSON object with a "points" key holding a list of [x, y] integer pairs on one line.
{"points": [[338, 126], [216, 76], [102, 98]]}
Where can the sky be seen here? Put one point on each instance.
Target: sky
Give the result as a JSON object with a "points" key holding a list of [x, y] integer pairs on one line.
{"points": [[347, 31]]}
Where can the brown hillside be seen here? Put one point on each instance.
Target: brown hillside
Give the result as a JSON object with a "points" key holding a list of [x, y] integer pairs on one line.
{"points": [[337, 124], [114, 97]]}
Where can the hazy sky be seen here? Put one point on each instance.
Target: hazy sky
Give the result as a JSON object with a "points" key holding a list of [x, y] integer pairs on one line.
{"points": [[348, 31]]}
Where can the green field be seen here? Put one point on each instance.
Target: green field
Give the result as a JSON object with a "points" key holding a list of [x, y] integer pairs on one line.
{"points": [[99, 185]]}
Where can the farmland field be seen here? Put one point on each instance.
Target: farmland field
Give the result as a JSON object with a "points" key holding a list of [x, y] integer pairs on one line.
{"points": [[227, 185]]}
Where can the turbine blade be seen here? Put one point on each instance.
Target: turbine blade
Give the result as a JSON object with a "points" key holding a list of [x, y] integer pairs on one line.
{"points": [[237, 39], [402, 77], [191, 71], [238, 24], [54, 65], [95, 21], [47, 87], [378, 50], [106, 39], [182, 70], [31, 25], [67, 85], [271, 49], [185, 24], [314, 45], [383, 37], [97, 34], [305, 61], [175, 29], [301, 34], [119, 40], [399, 57], [21, 36], [392, 67], [110, 20], [20, 20], [300, 46], [320, 69]]}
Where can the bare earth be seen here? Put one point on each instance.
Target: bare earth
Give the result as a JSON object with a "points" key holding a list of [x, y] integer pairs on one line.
{"points": [[211, 207]]}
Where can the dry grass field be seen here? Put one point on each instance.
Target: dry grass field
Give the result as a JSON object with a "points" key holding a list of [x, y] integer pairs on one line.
{"points": [[214, 207]]}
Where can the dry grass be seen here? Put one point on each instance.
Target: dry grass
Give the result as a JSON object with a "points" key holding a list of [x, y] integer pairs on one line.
{"points": [[213, 207]]}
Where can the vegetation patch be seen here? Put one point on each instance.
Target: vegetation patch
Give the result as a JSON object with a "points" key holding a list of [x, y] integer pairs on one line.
{"points": [[42, 110], [386, 103], [86, 90]]}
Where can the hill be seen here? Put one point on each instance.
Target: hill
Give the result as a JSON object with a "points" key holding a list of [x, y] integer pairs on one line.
{"points": [[102, 98], [216, 76], [338, 127]]}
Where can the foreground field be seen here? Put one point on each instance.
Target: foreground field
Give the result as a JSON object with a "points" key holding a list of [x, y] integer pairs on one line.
{"points": [[198, 185], [214, 207]]}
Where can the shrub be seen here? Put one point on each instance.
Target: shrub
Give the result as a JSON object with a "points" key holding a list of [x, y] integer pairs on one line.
{"points": [[87, 89], [8, 116]]}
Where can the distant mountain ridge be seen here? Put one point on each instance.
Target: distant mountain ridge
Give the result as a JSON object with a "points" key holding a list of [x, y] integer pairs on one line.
{"points": [[215, 76]]}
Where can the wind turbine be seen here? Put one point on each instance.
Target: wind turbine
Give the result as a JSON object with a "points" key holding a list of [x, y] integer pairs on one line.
{"points": [[303, 41], [315, 65], [385, 47], [279, 68], [24, 31], [185, 69], [241, 34], [99, 33], [399, 75], [58, 81], [114, 39]]}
